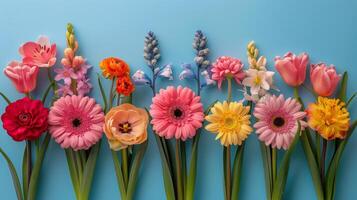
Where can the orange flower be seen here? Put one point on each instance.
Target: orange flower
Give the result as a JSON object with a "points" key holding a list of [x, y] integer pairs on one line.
{"points": [[126, 125], [114, 67], [125, 86]]}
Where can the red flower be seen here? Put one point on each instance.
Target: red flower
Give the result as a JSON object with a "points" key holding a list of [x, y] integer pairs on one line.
{"points": [[25, 119]]}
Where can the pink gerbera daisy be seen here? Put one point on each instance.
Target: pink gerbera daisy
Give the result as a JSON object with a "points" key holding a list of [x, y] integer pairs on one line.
{"points": [[277, 120], [176, 112], [76, 122], [225, 67]]}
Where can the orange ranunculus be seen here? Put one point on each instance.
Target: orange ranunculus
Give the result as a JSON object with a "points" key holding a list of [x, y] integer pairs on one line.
{"points": [[126, 125], [114, 67], [125, 86]]}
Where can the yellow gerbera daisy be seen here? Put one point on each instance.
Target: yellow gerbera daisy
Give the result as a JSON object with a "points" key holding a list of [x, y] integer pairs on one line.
{"points": [[230, 121], [329, 117]]}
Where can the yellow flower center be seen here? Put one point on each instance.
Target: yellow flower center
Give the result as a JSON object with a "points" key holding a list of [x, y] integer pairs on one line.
{"points": [[257, 80], [229, 122]]}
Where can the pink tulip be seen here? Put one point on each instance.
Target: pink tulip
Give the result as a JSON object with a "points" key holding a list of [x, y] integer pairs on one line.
{"points": [[292, 68], [24, 77], [324, 79], [41, 53]]}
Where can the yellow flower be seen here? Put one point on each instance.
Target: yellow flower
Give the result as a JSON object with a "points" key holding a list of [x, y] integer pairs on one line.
{"points": [[230, 121], [126, 125], [329, 117]]}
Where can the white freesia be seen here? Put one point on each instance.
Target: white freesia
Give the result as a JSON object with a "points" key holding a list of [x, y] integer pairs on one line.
{"points": [[257, 80]]}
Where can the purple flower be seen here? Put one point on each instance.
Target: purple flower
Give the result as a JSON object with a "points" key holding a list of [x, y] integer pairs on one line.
{"points": [[83, 86], [208, 80], [66, 74], [140, 78], [165, 72], [187, 72], [64, 90]]}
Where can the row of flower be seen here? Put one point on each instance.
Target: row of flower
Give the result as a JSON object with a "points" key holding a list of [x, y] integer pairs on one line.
{"points": [[76, 121]]}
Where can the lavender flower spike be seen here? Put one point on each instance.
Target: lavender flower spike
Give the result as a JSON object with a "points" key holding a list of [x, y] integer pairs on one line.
{"points": [[151, 50]]}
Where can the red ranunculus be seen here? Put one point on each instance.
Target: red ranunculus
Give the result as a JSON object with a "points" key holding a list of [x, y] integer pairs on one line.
{"points": [[25, 119]]}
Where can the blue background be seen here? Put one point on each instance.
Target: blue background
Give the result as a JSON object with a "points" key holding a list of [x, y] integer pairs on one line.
{"points": [[326, 29]]}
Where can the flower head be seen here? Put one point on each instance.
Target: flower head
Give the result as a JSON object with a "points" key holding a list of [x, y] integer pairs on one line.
{"points": [[126, 125], [277, 120], [187, 72], [25, 119], [41, 53], [329, 117], [125, 86], [140, 78], [324, 79], [151, 50], [200, 45], [165, 72], [76, 122], [227, 67], [176, 113], [24, 77], [207, 77], [292, 68], [114, 67], [230, 121], [257, 80]]}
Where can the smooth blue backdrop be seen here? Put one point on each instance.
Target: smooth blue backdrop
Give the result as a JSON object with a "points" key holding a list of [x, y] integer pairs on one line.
{"points": [[326, 29]]}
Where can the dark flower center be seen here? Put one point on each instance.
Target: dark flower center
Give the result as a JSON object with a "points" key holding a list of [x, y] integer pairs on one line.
{"points": [[178, 113], [279, 121], [24, 117], [76, 122], [125, 127]]}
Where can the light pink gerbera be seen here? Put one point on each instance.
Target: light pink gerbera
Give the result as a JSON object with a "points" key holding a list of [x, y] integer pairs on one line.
{"points": [[76, 122], [176, 112], [277, 120], [226, 66]]}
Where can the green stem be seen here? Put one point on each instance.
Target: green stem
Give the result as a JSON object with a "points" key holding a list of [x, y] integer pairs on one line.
{"points": [[179, 171], [274, 165], [29, 161], [50, 78], [229, 82], [228, 172], [323, 158], [318, 149], [125, 166]]}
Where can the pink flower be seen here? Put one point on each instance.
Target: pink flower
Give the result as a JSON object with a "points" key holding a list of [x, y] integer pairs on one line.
{"points": [[83, 86], [225, 67], [24, 77], [176, 112], [292, 68], [324, 79], [70, 60], [40, 53], [76, 122], [66, 74], [277, 120], [64, 90]]}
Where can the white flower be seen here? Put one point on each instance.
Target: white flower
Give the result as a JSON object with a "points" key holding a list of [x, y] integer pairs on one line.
{"points": [[166, 72], [258, 80]]}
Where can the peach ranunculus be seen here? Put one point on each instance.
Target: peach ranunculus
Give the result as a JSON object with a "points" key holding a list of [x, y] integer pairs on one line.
{"points": [[41, 53], [292, 68], [24, 77], [126, 125], [324, 79]]}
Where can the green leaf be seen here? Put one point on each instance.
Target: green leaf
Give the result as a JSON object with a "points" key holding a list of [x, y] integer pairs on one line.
{"points": [[237, 170], [15, 177], [25, 175], [266, 157], [169, 187], [351, 99], [37, 168], [104, 97], [134, 171], [119, 175], [343, 88], [5, 98], [88, 171], [44, 97], [332, 170], [279, 184], [73, 171]]}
